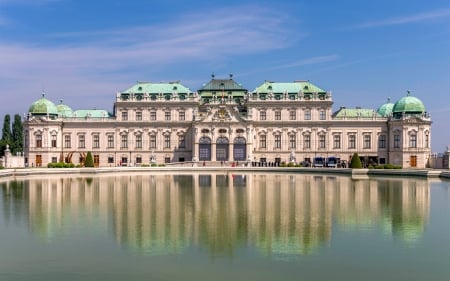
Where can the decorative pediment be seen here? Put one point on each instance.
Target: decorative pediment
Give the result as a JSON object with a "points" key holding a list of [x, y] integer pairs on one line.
{"points": [[223, 113]]}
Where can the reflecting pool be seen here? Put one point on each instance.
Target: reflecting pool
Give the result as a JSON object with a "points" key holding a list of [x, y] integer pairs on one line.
{"points": [[224, 226]]}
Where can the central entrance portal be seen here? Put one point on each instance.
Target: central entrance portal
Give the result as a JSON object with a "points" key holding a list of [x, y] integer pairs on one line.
{"points": [[222, 149], [239, 149], [204, 149]]}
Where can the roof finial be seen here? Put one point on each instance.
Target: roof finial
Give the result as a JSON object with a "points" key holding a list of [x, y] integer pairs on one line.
{"points": [[389, 99], [212, 75], [61, 101], [43, 94], [408, 93], [231, 75]]}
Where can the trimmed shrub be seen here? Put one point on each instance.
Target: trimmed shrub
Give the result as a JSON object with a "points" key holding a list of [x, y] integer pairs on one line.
{"points": [[60, 165], [161, 165], [356, 162], [89, 162], [290, 164], [154, 165]]}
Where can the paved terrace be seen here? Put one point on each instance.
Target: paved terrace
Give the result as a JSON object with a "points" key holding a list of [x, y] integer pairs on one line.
{"points": [[188, 168]]}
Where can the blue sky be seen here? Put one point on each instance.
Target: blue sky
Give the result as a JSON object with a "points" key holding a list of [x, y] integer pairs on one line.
{"points": [[363, 51]]}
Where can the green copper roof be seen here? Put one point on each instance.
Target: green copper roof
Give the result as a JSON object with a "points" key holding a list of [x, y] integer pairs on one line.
{"points": [[294, 87], [43, 107], [156, 88], [409, 105], [64, 110], [386, 109], [355, 113], [91, 113], [224, 87]]}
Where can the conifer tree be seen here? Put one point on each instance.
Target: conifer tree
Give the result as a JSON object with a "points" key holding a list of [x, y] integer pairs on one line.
{"points": [[89, 162], [6, 134], [356, 162], [17, 135]]}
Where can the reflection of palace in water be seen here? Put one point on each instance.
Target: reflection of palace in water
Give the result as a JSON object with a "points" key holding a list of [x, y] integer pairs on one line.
{"points": [[163, 213]]}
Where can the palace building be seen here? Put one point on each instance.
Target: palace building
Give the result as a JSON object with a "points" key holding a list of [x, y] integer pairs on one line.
{"points": [[155, 123]]}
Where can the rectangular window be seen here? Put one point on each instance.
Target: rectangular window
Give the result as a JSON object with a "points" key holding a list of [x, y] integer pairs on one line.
{"points": [[81, 141], [322, 141], [124, 115], [67, 141], [277, 141], [278, 115], [262, 115], [262, 141], [110, 159], [167, 115], [413, 141], [292, 115], [96, 160], [54, 159], [96, 141], [138, 115], [152, 115], [292, 141], [367, 141], [396, 141], [167, 141], [110, 141], [427, 141], [166, 159], [152, 141], [181, 115], [124, 141], [138, 141], [308, 115], [382, 141], [138, 160], [181, 142], [322, 115], [38, 140], [307, 141], [336, 141], [352, 141], [53, 140]]}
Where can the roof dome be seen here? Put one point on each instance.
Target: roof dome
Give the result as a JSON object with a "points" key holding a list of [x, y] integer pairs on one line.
{"points": [[64, 110], [408, 105], [43, 106], [386, 109]]}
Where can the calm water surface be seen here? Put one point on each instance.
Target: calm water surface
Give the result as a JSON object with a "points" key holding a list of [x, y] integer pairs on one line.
{"points": [[224, 227]]}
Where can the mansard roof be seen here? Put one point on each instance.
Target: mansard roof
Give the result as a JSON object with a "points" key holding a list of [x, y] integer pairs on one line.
{"points": [[222, 85], [355, 113], [91, 113], [293, 87], [157, 88]]}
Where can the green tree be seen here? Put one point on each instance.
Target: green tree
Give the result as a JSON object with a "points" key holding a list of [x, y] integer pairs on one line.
{"points": [[6, 134], [356, 162], [17, 135], [89, 162]]}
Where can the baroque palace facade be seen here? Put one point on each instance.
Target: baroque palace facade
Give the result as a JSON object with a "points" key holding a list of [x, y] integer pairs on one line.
{"points": [[223, 121]]}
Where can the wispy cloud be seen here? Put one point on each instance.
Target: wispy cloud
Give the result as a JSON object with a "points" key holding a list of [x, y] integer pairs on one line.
{"points": [[4, 21], [27, 2], [184, 40], [83, 63], [407, 19], [307, 61]]}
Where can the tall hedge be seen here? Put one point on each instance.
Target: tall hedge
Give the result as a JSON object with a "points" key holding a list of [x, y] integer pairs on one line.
{"points": [[89, 162], [356, 162]]}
